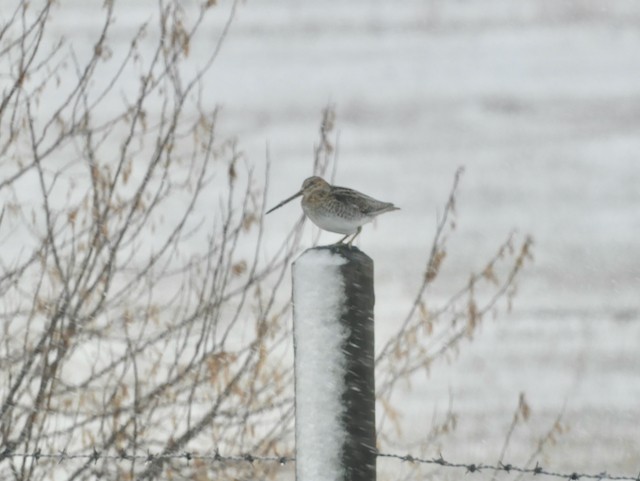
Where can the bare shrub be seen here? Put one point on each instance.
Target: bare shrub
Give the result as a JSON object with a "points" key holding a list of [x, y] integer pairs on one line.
{"points": [[130, 322]]}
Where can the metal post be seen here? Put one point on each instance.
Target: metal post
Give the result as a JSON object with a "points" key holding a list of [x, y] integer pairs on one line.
{"points": [[333, 300]]}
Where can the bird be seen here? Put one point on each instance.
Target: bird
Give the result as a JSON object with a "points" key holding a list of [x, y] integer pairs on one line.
{"points": [[337, 209]]}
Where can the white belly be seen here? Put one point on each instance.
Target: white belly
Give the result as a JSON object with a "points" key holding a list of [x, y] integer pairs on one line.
{"points": [[334, 223]]}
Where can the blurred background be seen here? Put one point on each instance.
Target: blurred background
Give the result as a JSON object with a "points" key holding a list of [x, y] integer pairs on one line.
{"points": [[539, 100]]}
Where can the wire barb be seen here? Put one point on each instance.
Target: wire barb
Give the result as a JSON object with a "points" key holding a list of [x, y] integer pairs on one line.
{"points": [[95, 456], [505, 467]]}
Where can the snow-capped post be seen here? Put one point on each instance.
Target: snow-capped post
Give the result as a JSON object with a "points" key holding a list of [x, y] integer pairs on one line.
{"points": [[333, 302]]}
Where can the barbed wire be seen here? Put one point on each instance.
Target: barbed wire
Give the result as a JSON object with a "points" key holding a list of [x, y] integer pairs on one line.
{"points": [[508, 468], [147, 457], [470, 468]]}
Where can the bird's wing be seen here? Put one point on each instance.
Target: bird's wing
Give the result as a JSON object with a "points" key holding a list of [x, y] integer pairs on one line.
{"points": [[357, 200]]}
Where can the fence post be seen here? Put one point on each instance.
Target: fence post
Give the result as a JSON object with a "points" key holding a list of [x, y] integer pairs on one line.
{"points": [[333, 300]]}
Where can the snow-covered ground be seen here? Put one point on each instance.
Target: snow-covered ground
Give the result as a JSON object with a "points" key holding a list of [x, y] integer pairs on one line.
{"points": [[540, 100]]}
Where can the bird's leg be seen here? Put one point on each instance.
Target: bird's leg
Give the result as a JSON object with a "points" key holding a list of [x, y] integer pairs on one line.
{"points": [[350, 243], [342, 240]]}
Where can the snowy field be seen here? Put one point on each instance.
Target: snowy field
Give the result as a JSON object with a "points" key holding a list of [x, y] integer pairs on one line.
{"points": [[540, 100]]}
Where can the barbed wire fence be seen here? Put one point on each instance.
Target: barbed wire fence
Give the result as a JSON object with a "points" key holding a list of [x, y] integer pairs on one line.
{"points": [[216, 457]]}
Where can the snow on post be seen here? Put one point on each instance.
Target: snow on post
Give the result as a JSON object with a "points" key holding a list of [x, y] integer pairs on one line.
{"points": [[334, 365]]}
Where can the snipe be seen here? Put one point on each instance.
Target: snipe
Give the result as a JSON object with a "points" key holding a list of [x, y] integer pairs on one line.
{"points": [[337, 209]]}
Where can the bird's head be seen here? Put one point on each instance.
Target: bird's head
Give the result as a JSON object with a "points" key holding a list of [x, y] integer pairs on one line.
{"points": [[311, 184]]}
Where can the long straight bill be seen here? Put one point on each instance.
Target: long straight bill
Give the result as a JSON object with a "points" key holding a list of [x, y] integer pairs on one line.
{"points": [[284, 202]]}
